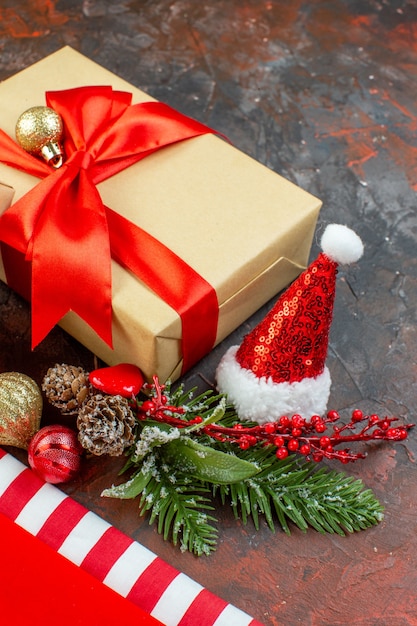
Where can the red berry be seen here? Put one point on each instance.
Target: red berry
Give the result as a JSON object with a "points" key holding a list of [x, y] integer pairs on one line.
{"points": [[357, 415], [320, 427], [281, 453], [243, 443], [305, 448], [403, 433], [284, 421], [297, 421], [344, 456], [293, 445], [296, 432], [385, 424], [396, 434], [333, 416], [148, 406], [278, 441], [270, 428], [324, 442], [373, 419]]}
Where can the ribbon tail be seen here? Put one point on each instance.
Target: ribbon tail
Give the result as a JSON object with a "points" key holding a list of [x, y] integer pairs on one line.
{"points": [[13, 155], [44, 319], [18, 222], [171, 278], [71, 267]]}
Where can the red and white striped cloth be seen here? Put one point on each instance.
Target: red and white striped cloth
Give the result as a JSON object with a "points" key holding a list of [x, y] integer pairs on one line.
{"points": [[112, 557]]}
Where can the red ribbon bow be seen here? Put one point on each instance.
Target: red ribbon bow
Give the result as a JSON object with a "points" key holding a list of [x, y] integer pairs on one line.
{"points": [[66, 233]]}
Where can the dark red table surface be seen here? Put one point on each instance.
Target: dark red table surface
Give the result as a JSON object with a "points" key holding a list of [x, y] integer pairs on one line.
{"points": [[323, 92]]}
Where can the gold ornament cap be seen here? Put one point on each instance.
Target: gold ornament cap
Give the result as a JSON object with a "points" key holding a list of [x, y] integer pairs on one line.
{"points": [[39, 131], [20, 409]]}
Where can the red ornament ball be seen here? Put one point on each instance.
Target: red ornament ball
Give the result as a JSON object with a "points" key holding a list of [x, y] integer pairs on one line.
{"points": [[54, 453]]}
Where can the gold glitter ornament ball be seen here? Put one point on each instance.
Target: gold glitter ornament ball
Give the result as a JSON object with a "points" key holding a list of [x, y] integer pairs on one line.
{"points": [[39, 132], [20, 409]]}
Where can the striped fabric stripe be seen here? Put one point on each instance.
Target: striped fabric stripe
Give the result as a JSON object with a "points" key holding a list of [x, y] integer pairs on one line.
{"points": [[110, 556]]}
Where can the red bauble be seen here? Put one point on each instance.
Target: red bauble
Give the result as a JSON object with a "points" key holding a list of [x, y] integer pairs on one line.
{"points": [[54, 453], [124, 380]]}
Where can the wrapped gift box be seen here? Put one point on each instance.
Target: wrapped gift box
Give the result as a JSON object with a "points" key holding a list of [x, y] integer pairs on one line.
{"points": [[243, 228]]}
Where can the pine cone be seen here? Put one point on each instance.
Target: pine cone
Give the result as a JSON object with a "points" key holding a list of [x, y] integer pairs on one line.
{"points": [[105, 425], [66, 387]]}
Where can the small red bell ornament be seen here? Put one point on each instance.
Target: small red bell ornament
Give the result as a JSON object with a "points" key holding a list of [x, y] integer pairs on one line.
{"points": [[280, 369]]}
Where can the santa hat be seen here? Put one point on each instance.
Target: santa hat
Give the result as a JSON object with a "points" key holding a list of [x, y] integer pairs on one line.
{"points": [[279, 369]]}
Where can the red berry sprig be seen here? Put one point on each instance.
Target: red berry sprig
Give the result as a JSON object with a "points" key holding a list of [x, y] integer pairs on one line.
{"points": [[315, 438]]}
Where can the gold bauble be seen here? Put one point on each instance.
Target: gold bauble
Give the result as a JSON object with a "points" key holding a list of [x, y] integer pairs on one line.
{"points": [[20, 409], [39, 132]]}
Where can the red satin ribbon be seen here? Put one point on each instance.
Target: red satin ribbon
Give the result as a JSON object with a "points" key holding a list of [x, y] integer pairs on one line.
{"points": [[68, 236]]}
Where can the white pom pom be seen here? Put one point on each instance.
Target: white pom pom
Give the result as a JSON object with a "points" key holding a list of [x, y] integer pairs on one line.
{"points": [[341, 244]]}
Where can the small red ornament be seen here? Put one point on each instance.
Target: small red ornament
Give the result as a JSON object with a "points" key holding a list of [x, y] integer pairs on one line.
{"points": [[54, 453], [124, 380]]}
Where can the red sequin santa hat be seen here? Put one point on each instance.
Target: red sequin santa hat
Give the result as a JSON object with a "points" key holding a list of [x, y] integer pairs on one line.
{"points": [[280, 369]]}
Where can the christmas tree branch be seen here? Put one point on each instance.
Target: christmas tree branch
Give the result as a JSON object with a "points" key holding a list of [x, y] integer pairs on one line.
{"points": [[183, 451]]}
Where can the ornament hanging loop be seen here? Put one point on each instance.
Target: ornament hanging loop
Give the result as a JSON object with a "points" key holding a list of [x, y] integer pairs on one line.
{"points": [[39, 131], [52, 153]]}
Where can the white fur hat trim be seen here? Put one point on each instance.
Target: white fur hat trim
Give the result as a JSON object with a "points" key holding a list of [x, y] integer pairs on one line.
{"points": [[262, 400]]}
